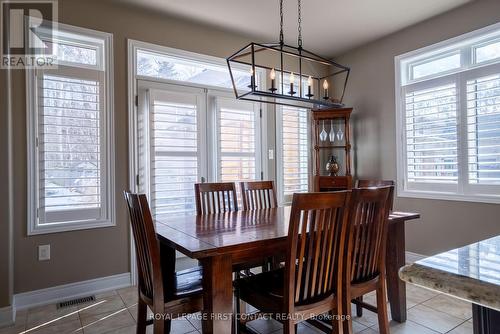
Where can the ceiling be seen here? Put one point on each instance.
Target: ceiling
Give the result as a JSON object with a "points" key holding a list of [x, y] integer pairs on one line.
{"points": [[329, 27]]}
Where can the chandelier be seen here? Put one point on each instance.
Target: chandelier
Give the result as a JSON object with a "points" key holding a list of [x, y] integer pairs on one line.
{"points": [[282, 74]]}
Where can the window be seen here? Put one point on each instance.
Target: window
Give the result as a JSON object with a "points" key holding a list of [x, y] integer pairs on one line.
{"points": [[174, 147], [293, 151], [483, 130], [448, 117], [487, 52], [177, 68], [431, 135], [190, 128], [435, 66], [70, 135], [238, 134]]}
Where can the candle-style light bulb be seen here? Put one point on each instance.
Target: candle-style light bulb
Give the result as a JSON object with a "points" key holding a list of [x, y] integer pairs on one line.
{"points": [[272, 75], [325, 87], [309, 85], [292, 80], [252, 79]]}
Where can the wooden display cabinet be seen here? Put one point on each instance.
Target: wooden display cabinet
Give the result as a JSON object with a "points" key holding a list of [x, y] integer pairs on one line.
{"points": [[324, 121]]}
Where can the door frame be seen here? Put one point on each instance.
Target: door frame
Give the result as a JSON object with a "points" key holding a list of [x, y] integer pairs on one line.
{"points": [[133, 101]]}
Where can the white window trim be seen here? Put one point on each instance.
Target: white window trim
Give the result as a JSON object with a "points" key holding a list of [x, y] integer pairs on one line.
{"points": [[440, 48], [108, 122]]}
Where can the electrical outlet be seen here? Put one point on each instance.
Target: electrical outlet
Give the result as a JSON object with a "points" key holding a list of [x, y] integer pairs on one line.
{"points": [[271, 154], [43, 252]]}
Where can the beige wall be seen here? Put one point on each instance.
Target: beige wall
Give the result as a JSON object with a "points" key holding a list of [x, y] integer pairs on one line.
{"points": [[444, 224], [80, 255], [95, 253]]}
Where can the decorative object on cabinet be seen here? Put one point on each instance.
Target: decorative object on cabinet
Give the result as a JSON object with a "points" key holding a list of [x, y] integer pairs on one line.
{"points": [[332, 158], [332, 166]]}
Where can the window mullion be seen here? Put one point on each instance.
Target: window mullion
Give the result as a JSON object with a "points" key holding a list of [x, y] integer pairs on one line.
{"points": [[463, 163]]}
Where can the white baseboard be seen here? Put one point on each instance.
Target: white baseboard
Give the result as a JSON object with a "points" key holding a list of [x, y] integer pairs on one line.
{"points": [[7, 316], [69, 291], [79, 289], [414, 257]]}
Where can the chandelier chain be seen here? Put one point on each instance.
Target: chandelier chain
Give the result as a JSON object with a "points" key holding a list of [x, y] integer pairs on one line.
{"points": [[281, 23], [299, 41]]}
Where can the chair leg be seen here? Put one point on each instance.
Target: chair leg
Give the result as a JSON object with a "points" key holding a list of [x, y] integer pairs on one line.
{"points": [[347, 323], [238, 310], [159, 326], [168, 326], [383, 319], [359, 308], [142, 311], [289, 327], [336, 321]]}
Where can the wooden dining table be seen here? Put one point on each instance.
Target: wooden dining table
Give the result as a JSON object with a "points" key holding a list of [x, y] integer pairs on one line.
{"points": [[220, 241]]}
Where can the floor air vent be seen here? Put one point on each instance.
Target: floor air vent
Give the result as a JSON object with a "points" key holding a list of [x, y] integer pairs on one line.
{"points": [[76, 301]]}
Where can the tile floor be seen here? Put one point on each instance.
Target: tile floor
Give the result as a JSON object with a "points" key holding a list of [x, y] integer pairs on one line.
{"points": [[115, 312]]}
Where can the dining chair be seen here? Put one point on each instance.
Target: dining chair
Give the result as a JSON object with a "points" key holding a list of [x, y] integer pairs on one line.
{"points": [[378, 183], [373, 183], [365, 252], [166, 292], [310, 284], [215, 197], [365, 183], [258, 195], [219, 198]]}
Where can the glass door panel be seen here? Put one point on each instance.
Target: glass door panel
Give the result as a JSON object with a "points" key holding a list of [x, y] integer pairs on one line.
{"points": [[170, 150]]}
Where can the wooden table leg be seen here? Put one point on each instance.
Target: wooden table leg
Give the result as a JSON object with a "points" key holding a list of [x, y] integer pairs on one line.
{"points": [[395, 259], [218, 295], [485, 320]]}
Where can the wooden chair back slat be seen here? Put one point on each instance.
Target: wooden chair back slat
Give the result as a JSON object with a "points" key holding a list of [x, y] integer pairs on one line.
{"points": [[368, 219], [215, 198], [318, 223], [378, 183], [146, 245], [258, 195]]}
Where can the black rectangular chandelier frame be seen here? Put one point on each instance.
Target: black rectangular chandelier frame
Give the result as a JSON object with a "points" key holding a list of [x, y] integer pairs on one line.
{"points": [[257, 95]]}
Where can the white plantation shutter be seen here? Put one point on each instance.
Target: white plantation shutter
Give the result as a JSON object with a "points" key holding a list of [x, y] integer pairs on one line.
{"points": [[448, 119], [69, 146], [483, 130], [70, 136], [431, 135], [174, 152], [294, 164], [238, 140]]}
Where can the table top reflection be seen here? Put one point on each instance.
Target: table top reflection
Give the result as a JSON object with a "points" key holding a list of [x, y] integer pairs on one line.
{"points": [[203, 235]]}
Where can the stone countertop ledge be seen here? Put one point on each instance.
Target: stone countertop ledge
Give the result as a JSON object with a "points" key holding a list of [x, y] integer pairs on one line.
{"points": [[471, 273]]}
